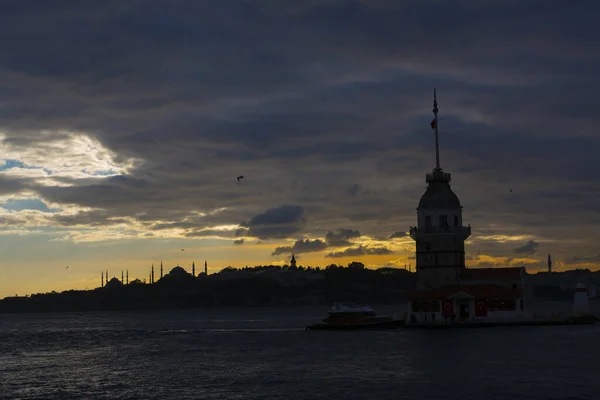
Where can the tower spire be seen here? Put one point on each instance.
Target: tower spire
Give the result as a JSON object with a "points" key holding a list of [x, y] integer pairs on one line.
{"points": [[193, 269], [152, 274], [434, 125]]}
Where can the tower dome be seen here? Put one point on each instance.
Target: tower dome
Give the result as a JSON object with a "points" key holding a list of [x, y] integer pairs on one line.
{"points": [[439, 194]]}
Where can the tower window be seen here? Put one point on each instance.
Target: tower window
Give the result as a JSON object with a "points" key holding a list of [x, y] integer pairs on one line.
{"points": [[456, 220], [428, 221], [443, 220]]}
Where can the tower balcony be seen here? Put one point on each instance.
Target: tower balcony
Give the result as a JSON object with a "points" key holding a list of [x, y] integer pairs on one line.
{"points": [[463, 231], [438, 176]]}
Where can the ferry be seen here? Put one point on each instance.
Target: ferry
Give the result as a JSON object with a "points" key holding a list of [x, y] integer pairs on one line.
{"points": [[355, 317]]}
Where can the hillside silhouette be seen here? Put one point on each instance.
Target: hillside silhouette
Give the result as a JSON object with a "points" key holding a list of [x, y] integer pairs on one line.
{"points": [[250, 286]]}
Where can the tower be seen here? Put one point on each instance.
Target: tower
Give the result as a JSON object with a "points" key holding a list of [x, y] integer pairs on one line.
{"points": [[439, 235], [102, 279], [161, 274], [205, 268], [193, 269], [106, 280], [549, 264], [581, 302], [122, 280], [127, 277], [293, 261], [152, 274]]}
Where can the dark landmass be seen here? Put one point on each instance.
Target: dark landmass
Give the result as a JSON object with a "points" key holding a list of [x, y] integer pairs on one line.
{"points": [[265, 286], [561, 285], [256, 286]]}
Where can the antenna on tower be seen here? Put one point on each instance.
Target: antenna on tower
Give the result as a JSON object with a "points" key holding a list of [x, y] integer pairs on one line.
{"points": [[434, 125]]}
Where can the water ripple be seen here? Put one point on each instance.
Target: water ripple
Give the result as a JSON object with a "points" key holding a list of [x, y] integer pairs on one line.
{"points": [[266, 354]]}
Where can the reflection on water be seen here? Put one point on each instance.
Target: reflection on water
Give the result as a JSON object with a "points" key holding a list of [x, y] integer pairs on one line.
{"points": [[260, 353]]}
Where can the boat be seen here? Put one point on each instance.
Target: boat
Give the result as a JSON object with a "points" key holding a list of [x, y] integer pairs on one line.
{"points": [[344, 317]]}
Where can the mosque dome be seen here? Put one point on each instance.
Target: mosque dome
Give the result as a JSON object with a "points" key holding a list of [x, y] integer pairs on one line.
{"points": [[439, 195], [178, 271], [114, 282]]}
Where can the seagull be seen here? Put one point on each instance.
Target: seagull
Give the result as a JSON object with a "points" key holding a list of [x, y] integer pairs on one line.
{"points": [[511, 190], [182, 249], [240, 177], [67, 267]]}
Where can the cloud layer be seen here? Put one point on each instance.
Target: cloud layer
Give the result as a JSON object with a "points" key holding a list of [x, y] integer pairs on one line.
{"points": [[135, 118]]}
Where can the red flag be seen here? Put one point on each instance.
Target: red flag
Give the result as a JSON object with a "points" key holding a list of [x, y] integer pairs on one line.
{"points": [[447, 308], [433, 123], [481, 309]]}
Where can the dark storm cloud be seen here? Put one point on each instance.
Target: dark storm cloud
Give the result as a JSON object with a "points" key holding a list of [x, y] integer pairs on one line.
{"points": [[339, 238], [528, 248], [301, 246], [322, 104], [360, 251], [276, 223], [11, 185]]}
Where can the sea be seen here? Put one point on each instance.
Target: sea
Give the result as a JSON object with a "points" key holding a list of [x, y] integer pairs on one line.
{"points": [[266, 353]]}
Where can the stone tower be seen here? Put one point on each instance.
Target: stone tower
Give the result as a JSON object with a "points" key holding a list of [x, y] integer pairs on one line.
{"points": [[439, 235]]}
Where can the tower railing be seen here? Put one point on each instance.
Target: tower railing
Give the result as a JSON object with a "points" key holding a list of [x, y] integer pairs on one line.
{"points": [[438, 176]]}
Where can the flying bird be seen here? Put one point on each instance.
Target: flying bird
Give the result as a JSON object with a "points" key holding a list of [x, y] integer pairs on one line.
{"points": [[67, 267], [240, 177], [511, 190], [182, 249]]}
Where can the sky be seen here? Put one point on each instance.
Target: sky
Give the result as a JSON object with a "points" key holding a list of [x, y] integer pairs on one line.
{"points": [[124, 124]]}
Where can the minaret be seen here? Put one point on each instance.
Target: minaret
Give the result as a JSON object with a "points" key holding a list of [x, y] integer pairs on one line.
{"points": [[127, 277], [193, 269], [152, 274], [122, 280], [205, 268], [106, 280], [293, 261], [102, 279], [549, 264], [161, 274], [439, 236]]}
